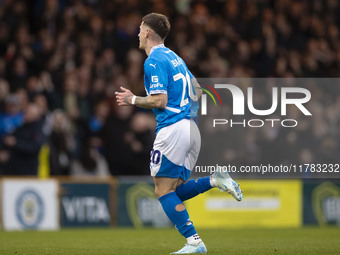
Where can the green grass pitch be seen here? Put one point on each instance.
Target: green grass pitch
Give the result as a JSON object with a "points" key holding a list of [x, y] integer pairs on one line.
{"points": [[310, 240]]}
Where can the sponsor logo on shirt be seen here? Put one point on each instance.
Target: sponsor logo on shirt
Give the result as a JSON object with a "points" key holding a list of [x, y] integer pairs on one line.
{"points": [[154, 78], [156, 85]]}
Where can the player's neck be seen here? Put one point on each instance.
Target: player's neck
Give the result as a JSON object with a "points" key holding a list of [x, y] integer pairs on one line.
{"points": [[151, 45]]}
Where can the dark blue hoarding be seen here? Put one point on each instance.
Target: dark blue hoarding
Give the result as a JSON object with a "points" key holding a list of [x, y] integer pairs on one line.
{"points": [[84, 204]]}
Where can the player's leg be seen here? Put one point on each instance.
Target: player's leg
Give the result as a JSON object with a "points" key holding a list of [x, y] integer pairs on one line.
{"points": [[170, 149], [173, 206], [192, 188], [219, 179], [177, 213]]}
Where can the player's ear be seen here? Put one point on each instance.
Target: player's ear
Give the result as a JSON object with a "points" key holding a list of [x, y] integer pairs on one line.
{"points": [[147, 33]]}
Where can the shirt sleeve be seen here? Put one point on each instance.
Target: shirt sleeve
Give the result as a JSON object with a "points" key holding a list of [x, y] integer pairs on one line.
{"points": [[156, 78]]}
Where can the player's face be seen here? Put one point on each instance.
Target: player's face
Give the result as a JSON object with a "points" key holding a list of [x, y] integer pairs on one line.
{"points": [[141, 35]]}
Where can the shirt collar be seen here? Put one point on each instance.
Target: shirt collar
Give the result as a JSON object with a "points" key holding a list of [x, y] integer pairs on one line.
{"points": [[156, 47]]}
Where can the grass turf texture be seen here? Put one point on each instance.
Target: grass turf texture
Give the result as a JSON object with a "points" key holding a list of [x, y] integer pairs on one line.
{"points": [[163, 241]]}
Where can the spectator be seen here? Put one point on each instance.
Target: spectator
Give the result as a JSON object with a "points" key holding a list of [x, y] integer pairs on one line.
{"points": [[97, 120], [4, 91], [90, 162], [13, 117], [62, 144], [24, 144], [46, 115], [114, 134], [140, 139]]}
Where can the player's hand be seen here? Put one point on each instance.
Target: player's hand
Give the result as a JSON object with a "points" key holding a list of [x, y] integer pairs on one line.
{"points": [[125, 97]]}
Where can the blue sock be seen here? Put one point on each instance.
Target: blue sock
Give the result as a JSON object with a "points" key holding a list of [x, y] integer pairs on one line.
{"points": [[192, 188], [179, 219]]}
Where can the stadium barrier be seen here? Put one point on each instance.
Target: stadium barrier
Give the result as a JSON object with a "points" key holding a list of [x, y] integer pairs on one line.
{"points": [[138, 205], [30, 204], [321, 203], [48, 204], [88, 202], [266, 203]]}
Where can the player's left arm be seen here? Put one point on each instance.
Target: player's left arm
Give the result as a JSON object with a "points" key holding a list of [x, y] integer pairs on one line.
{"points": [[197, 87], [126, 97]]}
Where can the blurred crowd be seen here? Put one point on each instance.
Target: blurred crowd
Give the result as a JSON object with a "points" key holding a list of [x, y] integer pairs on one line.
{"points": [[62, 60]]}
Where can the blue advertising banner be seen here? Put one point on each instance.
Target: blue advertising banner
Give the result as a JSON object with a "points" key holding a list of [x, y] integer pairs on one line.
{"points": [[84, 204]]}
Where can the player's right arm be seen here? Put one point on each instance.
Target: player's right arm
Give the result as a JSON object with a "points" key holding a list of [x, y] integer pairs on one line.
{"points": [[150, 102]]}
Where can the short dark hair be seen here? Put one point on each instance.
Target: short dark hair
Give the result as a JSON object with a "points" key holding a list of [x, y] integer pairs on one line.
{"points": [[158, 23]]}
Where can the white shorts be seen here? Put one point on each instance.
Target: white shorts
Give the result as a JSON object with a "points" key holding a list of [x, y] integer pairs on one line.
{"points": [[175, 150]]}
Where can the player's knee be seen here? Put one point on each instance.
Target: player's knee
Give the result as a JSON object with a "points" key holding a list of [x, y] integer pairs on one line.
{"points": [[180, 208], [160, 192], [157, 193]]}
